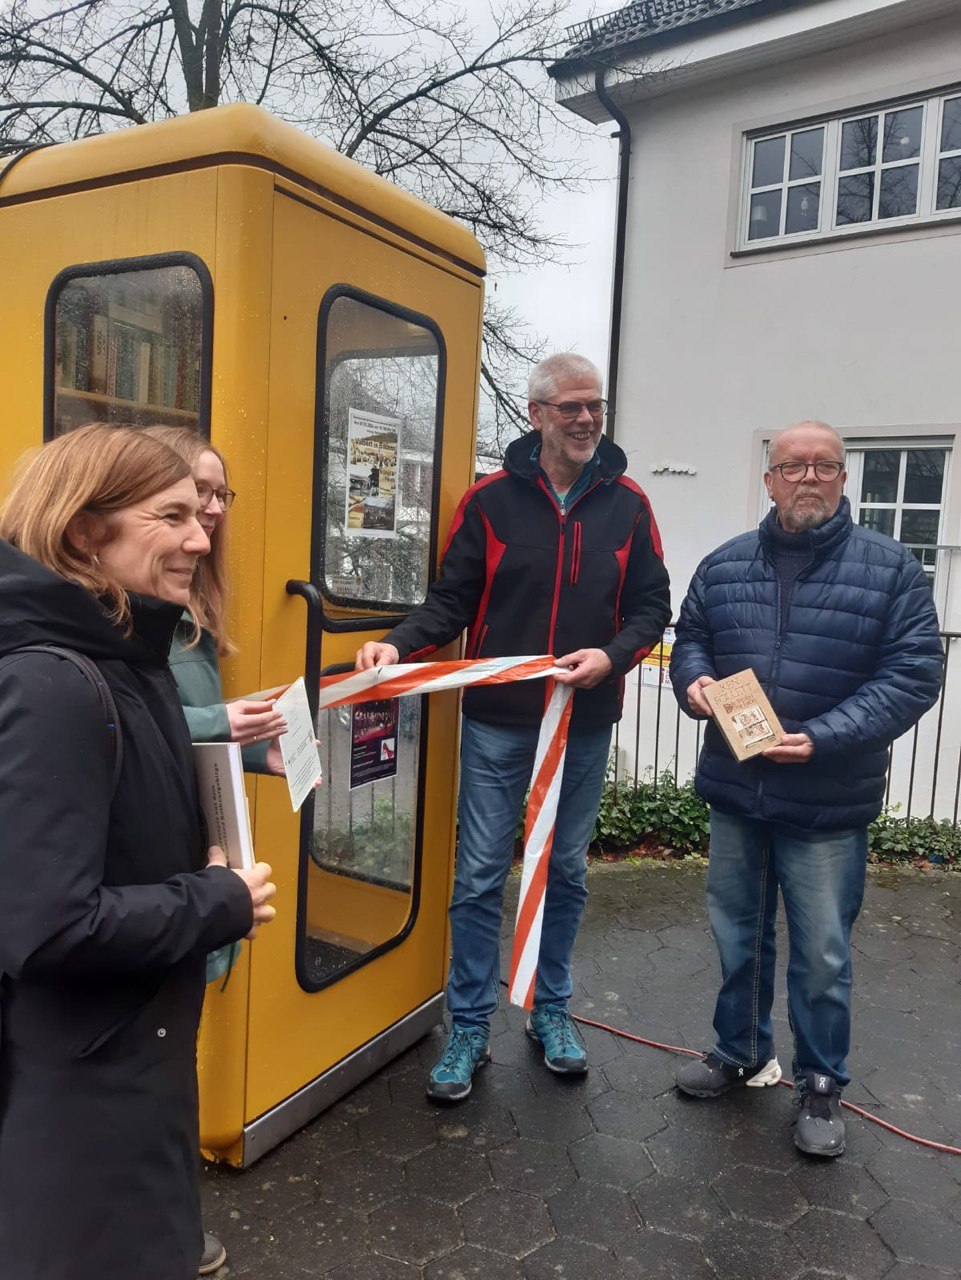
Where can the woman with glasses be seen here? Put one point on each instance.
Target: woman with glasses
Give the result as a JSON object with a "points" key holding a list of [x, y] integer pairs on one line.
{"points": [[109, 897], [195, 662]]}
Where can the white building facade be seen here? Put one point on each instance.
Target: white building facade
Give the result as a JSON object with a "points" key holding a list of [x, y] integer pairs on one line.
{"points": [[793, 250]]}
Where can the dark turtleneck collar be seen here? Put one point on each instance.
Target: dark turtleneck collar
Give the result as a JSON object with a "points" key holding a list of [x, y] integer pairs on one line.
{"points": [[817, 541], [154, 623]]}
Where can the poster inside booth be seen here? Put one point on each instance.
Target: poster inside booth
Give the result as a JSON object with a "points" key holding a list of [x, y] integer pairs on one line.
{"points": [[373, 742], [373, 444]]}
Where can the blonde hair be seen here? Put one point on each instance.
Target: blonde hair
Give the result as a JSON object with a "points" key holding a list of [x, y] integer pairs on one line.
{"points": [[208, 591], [97, 469]]}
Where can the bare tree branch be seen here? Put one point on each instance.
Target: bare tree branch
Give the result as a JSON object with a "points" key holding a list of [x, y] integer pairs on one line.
{"points": [[445, 99]]}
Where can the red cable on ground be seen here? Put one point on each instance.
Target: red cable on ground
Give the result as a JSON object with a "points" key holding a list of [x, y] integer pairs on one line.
{"points": [[694, 1053]]}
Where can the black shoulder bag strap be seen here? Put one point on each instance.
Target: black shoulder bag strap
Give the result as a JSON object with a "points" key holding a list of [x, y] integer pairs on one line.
{"points": [[95, 676]]}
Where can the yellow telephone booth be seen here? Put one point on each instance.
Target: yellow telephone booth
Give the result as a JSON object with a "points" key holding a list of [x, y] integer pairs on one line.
{"points": [[226, 271]]}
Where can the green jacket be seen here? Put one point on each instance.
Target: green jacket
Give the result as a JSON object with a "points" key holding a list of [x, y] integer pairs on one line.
{"points": [[197, 673]]}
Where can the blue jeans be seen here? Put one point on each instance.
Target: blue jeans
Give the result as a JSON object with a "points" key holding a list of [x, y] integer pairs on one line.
{"points": [[495, 773], [821, 878]]}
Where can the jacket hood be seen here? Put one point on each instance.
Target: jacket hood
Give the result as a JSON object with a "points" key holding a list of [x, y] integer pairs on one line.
{"points": [[822, 537], [517, 458], [40, 607]]}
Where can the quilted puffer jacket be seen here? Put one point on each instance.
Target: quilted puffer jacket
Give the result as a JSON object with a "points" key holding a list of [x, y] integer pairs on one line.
{"points": [[852, 658]]}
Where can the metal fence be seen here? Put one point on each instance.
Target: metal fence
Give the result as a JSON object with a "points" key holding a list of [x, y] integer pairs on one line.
{"points": [[924, 765]]}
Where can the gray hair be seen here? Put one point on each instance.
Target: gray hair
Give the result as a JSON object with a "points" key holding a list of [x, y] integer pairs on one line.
{"points": [[821, 426], [565, 366]]}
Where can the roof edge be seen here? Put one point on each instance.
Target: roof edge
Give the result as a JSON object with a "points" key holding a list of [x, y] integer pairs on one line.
{"points": [[590, 57], [236, 129]]}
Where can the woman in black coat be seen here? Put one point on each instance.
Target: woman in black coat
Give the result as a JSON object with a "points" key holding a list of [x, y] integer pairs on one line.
{"points": [[108, 900]]}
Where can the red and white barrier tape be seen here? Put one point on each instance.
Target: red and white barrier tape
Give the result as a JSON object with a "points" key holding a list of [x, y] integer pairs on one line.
{"points": [[432, 677]]}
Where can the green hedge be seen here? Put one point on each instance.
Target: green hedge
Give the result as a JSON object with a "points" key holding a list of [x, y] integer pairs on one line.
{"points": [[675, 817], [672, 815]]}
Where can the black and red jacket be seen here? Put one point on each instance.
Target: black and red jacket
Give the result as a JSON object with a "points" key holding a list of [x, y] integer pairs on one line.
{"points": [[525, 578]]}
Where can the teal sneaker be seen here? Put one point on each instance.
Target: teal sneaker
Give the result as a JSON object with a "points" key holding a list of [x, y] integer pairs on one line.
{"points": [[553, 1026], [467, 1050]]}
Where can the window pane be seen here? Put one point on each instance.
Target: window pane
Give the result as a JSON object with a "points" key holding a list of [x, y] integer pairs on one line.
{"points": [[859, 143], [949, 183], [902, 134], [898, 196], [806, 152], [381, 427], [951, 125], [880, 521], [880, 477], [362, 854], [802, 207], [128, 348], [855, 198], [768, 162], [765, 215], [920, 527], [924, 476]]}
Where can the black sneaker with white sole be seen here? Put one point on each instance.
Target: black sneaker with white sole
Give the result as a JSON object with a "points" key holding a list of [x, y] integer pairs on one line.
{"points": [[820, 1127], [710, 1077]]}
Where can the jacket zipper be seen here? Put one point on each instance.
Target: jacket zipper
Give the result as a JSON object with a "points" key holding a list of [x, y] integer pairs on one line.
{"points": [[480, 641], [557, 582], [780, 624], [576, 553], [559, 573]]}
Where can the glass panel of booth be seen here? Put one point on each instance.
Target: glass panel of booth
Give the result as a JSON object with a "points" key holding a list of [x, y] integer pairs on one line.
{"points": [[127, 347], [380, 421], [361, 874]]}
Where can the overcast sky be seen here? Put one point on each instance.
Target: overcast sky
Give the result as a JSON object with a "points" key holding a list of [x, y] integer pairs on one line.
{"points": [[569, 305]]}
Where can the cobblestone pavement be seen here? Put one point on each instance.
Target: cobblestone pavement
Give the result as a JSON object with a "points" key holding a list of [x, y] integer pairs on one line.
{"points": [[618, 1176]]}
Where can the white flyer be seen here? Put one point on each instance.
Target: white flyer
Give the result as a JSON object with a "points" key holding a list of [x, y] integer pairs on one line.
{"points": [[298, 745]]}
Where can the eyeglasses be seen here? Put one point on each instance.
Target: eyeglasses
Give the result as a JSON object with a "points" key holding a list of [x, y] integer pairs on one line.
{"points": [[206, 493], [571, 409], [795, 472]]}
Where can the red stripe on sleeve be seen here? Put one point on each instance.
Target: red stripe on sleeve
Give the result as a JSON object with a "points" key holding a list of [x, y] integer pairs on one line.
{"points": [[458, 519]]}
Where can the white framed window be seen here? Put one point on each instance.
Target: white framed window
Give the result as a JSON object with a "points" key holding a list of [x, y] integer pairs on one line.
{"points": [[891, 165], [948, 195], [899, 490]]}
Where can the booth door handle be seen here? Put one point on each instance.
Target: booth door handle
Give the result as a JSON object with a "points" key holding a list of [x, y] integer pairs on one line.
{"points": [[315, 628], [315, 602]]}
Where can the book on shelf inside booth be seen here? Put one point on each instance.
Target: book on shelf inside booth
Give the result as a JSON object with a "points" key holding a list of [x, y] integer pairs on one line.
{"points": [[223, 800], [743, 714]]}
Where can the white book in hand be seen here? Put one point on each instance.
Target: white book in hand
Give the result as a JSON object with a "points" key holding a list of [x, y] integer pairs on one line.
{"points": [[223, 800]]}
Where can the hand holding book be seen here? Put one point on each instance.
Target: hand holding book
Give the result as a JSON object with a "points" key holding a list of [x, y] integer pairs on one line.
{"points": [[794, 748], [742, 713], [258, 882]]}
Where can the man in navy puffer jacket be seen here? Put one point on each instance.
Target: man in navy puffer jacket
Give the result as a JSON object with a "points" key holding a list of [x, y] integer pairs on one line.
{"points": [[838, 624]]}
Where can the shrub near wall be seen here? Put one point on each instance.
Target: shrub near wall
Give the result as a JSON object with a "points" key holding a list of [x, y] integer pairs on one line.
{"points": [[671, 815], [675, 818]]}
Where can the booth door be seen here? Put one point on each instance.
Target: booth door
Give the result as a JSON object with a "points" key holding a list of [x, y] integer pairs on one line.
{"points": [[373, 376]]}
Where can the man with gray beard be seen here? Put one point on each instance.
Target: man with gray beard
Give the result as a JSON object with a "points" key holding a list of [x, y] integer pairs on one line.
{"points": [[838, 624]]}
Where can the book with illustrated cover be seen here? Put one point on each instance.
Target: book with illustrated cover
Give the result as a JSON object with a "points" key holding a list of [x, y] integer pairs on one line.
{"points": [[220, 777], [743, 714]]}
